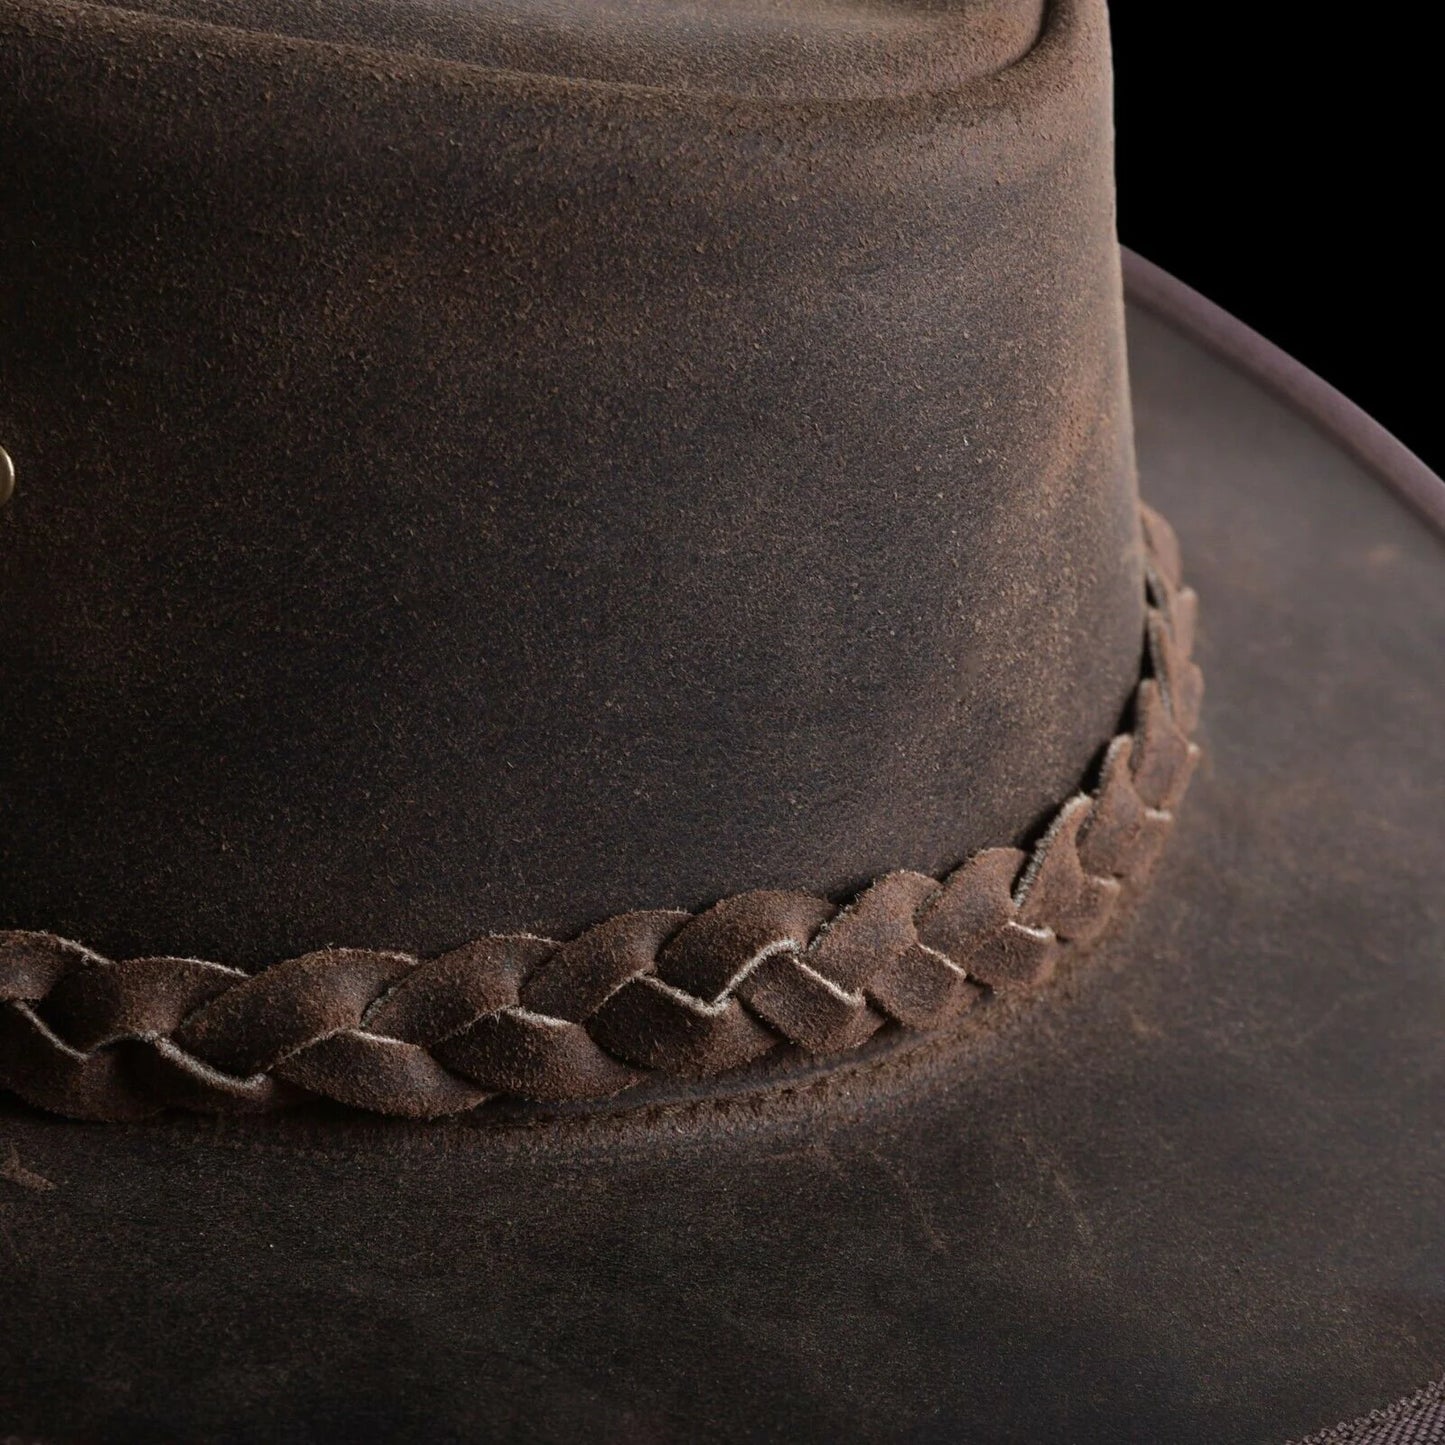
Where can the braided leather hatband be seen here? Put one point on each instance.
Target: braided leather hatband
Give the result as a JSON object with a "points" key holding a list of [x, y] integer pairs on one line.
{"points": [[680, 994]]}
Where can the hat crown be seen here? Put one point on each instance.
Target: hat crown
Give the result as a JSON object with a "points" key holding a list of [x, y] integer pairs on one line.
{"points": [[791, 50], [454, 499]]}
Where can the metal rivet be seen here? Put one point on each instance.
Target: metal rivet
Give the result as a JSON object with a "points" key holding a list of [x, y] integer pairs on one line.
{"points": [[7, 477]]}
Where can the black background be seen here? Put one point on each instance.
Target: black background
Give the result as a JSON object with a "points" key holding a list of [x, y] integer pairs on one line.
{"points": [[1290, 169]]}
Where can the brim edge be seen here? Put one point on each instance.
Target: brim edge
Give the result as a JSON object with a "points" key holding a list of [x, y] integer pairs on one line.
{"points": [[1386, 458]]}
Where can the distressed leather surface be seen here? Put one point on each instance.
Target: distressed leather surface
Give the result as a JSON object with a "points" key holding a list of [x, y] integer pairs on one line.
{"points": [[457, 500], [1192, 1195], [637, 1000], [786, 50], [281, 452]]}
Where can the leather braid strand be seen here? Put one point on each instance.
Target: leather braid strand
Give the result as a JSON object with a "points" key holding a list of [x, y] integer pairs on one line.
{"points": [[686, 995]]}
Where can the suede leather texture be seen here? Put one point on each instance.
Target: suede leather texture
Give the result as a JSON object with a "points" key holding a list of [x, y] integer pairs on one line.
{"points": [[1189, 1194], [456, 500], [464, 489], [786, 50]]}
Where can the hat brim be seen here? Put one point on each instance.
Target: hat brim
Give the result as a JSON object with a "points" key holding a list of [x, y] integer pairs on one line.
{"points": [[1193, 1191]]}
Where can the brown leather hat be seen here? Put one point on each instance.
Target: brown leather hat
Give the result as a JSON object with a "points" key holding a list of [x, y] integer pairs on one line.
{"points": [[595, 746]]}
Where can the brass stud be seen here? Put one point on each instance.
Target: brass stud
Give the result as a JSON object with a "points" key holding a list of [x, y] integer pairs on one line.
{"points": [[7, 477]]}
